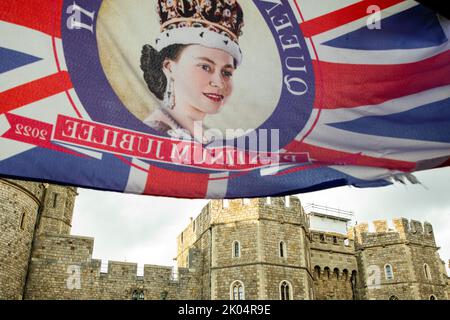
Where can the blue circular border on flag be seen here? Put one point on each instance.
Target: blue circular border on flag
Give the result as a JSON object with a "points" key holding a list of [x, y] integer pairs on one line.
{"points": [[103, 105]]}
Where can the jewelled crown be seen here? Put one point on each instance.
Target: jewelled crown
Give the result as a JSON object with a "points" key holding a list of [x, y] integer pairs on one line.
{"points": [[211, 23], [222, 16]]}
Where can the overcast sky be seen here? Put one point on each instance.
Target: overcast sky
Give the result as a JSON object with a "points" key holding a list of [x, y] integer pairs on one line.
{"points": [[143, 229]]}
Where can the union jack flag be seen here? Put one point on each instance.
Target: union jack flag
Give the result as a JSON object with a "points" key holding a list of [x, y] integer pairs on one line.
{"points": [[381, 105]]}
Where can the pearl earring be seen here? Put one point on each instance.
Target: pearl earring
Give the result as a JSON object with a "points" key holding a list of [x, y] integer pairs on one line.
{"points": [[169, 96]]}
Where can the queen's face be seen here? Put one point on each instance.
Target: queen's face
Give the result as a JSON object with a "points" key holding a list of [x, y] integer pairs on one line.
{"points": [[202, 79]]}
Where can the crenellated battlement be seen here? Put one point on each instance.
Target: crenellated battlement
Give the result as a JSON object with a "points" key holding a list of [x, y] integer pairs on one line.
{"points": [[220, 212], [384, 232], [287, 209], [330, 241]]}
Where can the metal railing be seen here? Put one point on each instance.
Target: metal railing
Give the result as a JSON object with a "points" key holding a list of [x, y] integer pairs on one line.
{"points": [[329, 211]]}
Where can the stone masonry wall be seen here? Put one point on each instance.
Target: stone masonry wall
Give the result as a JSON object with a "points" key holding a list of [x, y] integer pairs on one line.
{"points": [[255, 225], [62, 268], [406, 248], [58, 210], [19, 205], [333, 261]]}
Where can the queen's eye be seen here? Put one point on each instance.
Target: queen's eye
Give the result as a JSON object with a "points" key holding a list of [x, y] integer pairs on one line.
{"points": [[227, 74], [205, 67]]}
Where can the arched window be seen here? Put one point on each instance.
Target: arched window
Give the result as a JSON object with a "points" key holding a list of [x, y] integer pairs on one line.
{"points": [[393, 297], [388, 272], [317, 272], [282, 246], [268, 200], [285, 291], [237, 291], [426, 271], [433, 297], [246, 201], [236, 249], [336, 273], [225, 203], [326, 272], [345, 274]]}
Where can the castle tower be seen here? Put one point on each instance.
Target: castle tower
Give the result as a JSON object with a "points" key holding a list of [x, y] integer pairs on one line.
{"points": [[19, 206], [251, 248], [332, 254], [57, 210], [26, 210], [399, 262]]}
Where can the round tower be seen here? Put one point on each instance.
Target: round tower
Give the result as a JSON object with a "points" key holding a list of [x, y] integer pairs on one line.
{"points": [[19, 206], [24, 208]]}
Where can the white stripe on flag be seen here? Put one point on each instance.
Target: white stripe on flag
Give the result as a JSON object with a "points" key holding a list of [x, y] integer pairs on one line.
{"points": [[217, 188], [366, 173], [386, 108], [397, 56], [26, 40], [377, 146], [312, 8], [137, 178], [26, 74], [90, 153], [294, 9], [60, 53]]}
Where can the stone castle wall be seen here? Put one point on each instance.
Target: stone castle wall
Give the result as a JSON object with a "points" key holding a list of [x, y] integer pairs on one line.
{"points": [[63, 268], [58, 210], [333, 261], [19, 205], [405, 249], [41, 260], [255, 225]]}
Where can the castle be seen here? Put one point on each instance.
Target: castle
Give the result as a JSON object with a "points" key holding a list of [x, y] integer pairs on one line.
{"points": [[266, 248]]}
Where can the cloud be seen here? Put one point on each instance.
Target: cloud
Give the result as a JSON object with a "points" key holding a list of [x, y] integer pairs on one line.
{"points": [[136, 228]]}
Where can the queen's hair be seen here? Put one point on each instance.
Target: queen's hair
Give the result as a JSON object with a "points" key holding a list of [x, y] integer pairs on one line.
{"points": [[152, 65]]}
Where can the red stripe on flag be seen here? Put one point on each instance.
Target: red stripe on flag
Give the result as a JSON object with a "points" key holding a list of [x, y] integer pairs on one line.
{"points": [[335, 157], [44, 16], [33, 91], [163, 182], [354, 85], [342, 16]]}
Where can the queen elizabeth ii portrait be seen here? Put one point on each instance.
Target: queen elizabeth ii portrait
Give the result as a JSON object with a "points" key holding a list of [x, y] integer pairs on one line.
{"points": [[145, 55], [190, 67]]}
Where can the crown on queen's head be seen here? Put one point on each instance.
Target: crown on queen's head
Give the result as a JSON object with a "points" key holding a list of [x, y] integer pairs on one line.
{"points": [[214, 24], [222, 16]]}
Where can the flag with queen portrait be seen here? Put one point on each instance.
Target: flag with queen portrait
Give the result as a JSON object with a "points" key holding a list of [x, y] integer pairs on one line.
{"points": [[225, 98]]}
